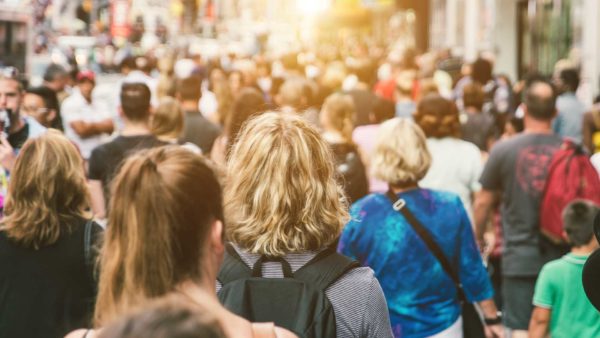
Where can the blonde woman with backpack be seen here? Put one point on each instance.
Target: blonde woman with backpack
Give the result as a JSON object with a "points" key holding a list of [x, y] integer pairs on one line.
{"points": [[285, 212]]}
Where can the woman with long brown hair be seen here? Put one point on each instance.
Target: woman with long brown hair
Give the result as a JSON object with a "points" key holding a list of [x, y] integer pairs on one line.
{"points": [[46, 242], [164, 236]]}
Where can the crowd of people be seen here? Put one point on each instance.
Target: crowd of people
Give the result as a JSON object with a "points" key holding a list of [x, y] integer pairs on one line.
{"points": [[312, 194]]}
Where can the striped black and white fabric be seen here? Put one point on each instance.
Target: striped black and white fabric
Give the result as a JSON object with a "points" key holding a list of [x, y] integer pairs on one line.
{"points": [[357, 298]]}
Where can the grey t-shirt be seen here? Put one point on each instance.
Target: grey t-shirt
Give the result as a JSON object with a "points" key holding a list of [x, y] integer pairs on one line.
{"points": [[357, 298], [518, 167]]}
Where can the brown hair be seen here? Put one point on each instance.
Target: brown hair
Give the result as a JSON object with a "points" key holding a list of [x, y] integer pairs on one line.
{"points": [[167, 120], [438, 117], [338, 111], [163, 203], [173, 316], [47, 192], [473, 96]]}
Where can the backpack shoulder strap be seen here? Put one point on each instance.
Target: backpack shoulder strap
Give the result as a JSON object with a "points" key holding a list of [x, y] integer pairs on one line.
{"points": [[233, 267], [325, 268]]}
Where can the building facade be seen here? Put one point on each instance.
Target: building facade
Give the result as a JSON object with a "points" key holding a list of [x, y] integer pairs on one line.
{"points": [[524, 36]]}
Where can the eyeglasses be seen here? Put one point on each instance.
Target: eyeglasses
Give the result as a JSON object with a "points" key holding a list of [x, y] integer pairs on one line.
{"points": [[35, 110]]}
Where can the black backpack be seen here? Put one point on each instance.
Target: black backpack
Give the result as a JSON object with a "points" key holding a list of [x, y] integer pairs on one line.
{"points": [[296, 302]]}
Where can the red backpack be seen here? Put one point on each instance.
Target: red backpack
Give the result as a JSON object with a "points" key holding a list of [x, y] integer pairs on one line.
{"points": [[570, 176]]}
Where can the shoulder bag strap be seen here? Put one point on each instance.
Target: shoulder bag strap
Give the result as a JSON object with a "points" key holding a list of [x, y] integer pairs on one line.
{"points": [[400, 206]]}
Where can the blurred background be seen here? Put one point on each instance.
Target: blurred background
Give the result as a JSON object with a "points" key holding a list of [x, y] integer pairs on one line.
{"points": [[521, 36]]}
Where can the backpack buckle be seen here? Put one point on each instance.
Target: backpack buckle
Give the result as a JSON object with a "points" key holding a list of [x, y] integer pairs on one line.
{"points": [[399, 204]]}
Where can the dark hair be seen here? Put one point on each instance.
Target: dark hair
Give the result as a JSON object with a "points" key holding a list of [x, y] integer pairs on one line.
{"points": [[249, 103], [383, 110], [170, 317], [481, 71], [516, 123], [473, 96], [189, 89], [55, 71], [438, 117], [47, 94], [570, 79], [127, 62], [135, 101], [578, 219], [540, 107]]}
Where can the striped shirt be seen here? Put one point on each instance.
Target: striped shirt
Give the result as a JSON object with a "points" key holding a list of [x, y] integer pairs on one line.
{"points": [[357, 298]]}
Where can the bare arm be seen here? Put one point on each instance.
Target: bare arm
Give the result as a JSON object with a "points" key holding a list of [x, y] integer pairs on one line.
{"points": [[88, 129], [484, 201], [540, 319], [97, 199], [490, 311]]}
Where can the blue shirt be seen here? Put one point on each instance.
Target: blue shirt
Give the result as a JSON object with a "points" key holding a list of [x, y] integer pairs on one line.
{"points": [[421, 297], [569, 120]]}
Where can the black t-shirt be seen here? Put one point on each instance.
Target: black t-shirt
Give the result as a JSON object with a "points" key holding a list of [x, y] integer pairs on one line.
{"points": [[351, 170], [18, 139], [107, 158], [47, 292], [199, 131]]}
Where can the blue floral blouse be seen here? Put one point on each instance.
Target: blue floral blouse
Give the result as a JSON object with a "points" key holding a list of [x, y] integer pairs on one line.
{"points": [[421, 297]]}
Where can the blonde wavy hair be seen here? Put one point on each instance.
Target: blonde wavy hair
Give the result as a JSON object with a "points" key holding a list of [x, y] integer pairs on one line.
{"points": [[47, 192], [338, 111], [281, 195], [401, 156]]}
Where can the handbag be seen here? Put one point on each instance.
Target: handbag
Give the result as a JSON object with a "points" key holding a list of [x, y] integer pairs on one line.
{"points": [[472, 323]]}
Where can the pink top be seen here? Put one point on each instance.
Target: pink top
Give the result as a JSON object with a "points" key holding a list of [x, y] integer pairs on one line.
{"points": [[365, 137]]}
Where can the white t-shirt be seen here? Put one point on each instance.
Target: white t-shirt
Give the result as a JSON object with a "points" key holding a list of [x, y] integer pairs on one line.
{"points": [[456, 166], [77, 108]]}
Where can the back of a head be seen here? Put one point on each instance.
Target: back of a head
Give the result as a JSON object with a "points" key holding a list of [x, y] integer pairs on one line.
{"points": [[248, 103], [338, 112], [540, 100], [578, 221], [54, 72], [189, 89], [168, 197], [401, 156], [135, 101], [438, 117], [47, 191], [569, 79], [383, 110], [282, 195], [473, 96], [170, 317], [481, 71], [167, 119], [291, 93]]}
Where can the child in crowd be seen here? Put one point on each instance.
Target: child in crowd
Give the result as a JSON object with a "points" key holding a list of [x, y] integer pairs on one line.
{"points": [[561, 306]]}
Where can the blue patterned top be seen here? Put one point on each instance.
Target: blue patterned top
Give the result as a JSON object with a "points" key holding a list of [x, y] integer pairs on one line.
{"points": [[421, 297]]}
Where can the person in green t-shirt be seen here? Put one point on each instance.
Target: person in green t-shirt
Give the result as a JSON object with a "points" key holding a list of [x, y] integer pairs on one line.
{"points": [[561, 306]]}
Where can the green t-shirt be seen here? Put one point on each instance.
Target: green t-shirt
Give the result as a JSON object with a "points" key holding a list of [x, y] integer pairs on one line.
{"points": [[560, 289]]}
